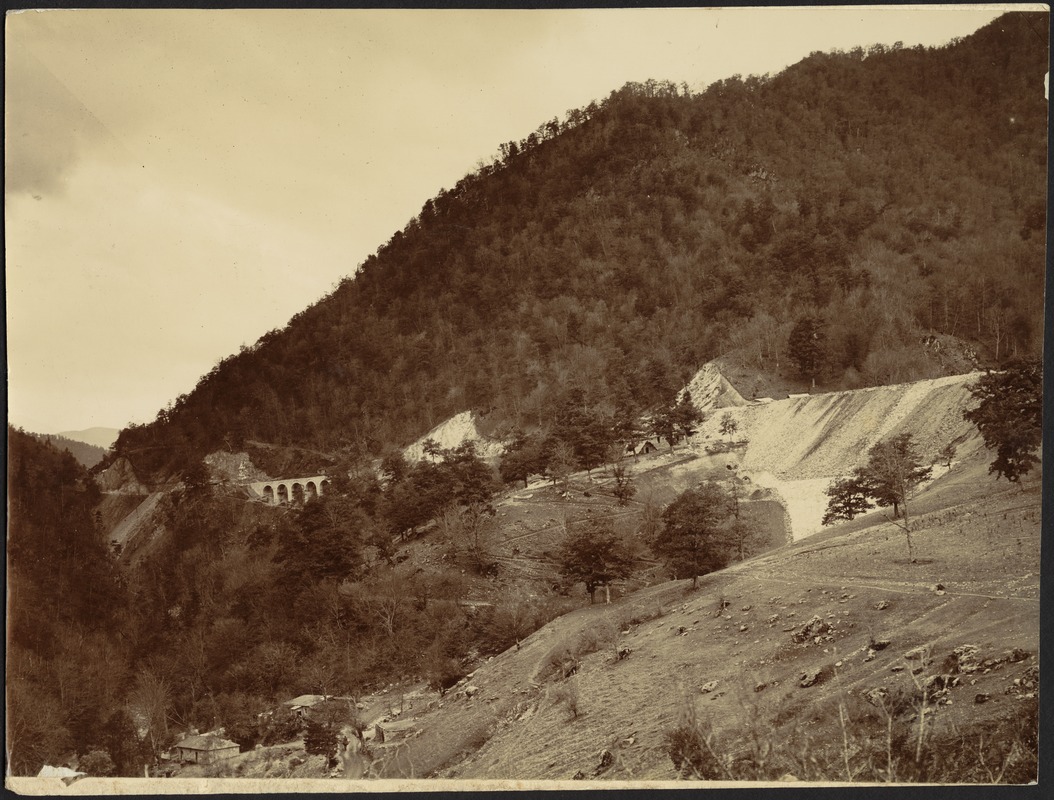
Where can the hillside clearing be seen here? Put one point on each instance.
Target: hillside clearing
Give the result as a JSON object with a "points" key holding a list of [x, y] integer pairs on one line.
{"points": [[983, 550]]}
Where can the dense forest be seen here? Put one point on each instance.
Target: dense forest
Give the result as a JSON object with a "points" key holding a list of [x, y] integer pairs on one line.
{"points": [[66, 661], [875, 197]]}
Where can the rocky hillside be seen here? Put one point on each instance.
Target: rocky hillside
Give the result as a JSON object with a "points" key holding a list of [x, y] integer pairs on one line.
{"points": [[765, 653], [798, 445]]}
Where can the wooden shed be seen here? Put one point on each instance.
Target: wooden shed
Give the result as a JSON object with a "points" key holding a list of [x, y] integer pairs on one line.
{"points": [[388, 732], [205, 749]]}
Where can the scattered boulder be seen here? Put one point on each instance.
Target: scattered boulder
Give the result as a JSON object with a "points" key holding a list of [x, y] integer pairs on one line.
{"points": [[471, 690], [1015, 655], [622, 653], [813, 677], [920, 653], [939, 684], [966, 657], [876, 696], [938, 588], [882, 605], [880, 643], [982, 697], [606, 760], [814, 629], [1027, 683], [968, 662], [578, 776], [760, 687], [708, 687]]}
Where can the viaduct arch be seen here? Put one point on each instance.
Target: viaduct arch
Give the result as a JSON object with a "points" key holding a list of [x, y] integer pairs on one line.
{"points": [[290, 491]]}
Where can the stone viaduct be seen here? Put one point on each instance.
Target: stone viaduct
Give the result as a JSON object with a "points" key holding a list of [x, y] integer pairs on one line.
{"points": [[290, 490]]}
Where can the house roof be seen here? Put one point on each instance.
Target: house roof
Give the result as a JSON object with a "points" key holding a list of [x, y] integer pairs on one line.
{"points": [[398, 725], [305, 700], [206, 743]]}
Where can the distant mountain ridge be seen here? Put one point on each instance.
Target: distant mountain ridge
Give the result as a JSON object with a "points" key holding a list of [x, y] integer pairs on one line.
{"points": [[98, 437], [609, 255]]}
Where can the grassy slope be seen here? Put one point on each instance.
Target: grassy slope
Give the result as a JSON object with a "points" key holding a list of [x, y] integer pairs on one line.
{"points": [[978, 537]]}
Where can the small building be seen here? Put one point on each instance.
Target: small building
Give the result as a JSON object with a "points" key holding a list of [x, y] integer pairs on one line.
{"points": [[387, 732], [641, 448], [205, 749], [299, 705]]}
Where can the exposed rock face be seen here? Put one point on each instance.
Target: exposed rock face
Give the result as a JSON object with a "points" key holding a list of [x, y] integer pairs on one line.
{"points": [[459, 428], [795, 446], [120, 478], [234, 467], [710, 389]]}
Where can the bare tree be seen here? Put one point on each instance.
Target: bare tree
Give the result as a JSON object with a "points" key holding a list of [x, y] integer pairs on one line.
{"points": [[561, 465], [150, 701], [470, 530]]}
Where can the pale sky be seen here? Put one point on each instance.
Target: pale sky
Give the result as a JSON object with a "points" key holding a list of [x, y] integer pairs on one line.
{"points": [[181, 182]]}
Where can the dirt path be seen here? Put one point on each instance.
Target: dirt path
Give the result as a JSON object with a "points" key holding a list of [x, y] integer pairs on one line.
{"points": [[556, 525], [888, 587]]}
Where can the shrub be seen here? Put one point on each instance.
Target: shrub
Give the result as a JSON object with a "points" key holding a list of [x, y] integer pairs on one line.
{"points": [[282, 726], [97, 763], [567, 694], [563, 663], [443, 673], [596, 637], [690, 746]]}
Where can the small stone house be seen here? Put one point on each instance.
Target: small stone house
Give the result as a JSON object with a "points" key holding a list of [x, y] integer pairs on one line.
{"points": [[300, 705], [388, 732], [205, 749]]}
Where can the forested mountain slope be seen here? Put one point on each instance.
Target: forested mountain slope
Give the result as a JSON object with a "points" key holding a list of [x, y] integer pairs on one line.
{"points": [[67, 665], [87, 454], [823, 221]]}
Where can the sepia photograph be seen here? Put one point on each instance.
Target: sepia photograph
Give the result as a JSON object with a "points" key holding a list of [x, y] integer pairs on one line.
{"points": [[540, 398]]}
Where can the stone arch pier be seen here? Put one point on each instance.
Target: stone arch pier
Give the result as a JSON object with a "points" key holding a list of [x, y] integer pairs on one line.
{"points": [[290, 491]]}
